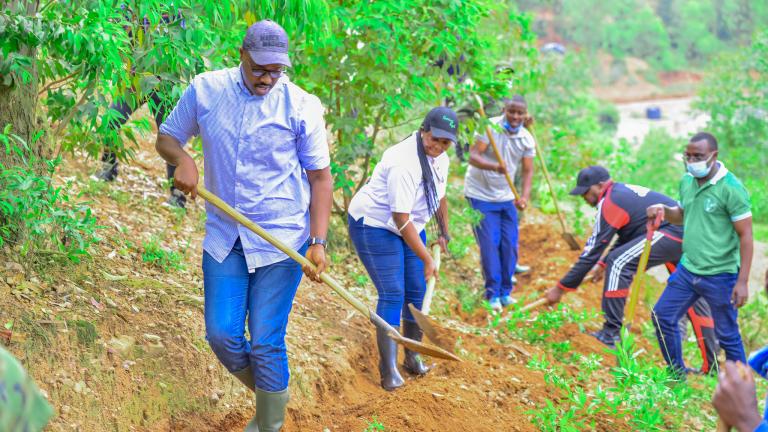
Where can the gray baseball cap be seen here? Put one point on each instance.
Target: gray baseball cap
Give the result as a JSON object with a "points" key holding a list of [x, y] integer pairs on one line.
{"points": [[267, 43]]}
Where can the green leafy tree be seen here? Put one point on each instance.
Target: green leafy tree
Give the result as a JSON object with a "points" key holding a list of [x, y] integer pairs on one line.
{"points": [[735, 95], [378, 70], [64, 62]]}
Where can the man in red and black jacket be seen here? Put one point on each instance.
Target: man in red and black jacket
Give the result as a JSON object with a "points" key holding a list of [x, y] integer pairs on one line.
{"points": [[621, 210]]}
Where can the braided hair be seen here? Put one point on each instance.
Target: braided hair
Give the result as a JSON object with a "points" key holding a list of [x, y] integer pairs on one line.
{"points": [[430, 190]]}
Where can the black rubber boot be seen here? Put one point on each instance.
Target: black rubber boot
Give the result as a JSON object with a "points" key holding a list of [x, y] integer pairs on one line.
{"points": [[413, 362], [390, 376]]}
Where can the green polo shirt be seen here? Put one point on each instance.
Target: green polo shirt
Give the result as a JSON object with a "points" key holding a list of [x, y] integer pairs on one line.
{"points": [[22, 407], [710, 244]]}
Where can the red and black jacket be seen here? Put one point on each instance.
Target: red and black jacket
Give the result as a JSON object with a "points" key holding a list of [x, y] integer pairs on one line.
{"points": [[621, 210]]}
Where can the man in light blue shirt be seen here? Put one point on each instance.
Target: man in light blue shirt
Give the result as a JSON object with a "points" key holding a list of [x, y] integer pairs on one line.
{"points": [[265, 154]]}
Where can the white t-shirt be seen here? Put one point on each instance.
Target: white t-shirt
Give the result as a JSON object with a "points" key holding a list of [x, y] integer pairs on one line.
{"points": [[396, 187], [491, 186]]}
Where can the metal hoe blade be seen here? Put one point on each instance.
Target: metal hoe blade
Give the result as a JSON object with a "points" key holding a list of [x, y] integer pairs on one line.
{"points": [[431, 330], [419, 347]]}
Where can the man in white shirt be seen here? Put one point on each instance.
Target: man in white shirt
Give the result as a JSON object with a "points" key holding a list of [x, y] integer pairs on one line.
{"points": [[487, 191]]}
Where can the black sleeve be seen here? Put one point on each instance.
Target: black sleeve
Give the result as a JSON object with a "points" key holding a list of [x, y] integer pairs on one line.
{"points": [[602, 233]]}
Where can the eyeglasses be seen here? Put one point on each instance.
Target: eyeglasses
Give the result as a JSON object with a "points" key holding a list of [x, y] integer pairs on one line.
{"points": [[695, 157], [258, 73]]}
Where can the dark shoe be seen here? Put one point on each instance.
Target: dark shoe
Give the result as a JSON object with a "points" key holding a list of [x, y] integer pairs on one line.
{"points": [[108, 171], [177, 199], [606, 339], [413, 362], [390, 376]]}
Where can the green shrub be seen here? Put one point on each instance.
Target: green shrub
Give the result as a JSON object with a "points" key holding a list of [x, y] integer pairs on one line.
{"points": [[35, 215], [155, 254]]}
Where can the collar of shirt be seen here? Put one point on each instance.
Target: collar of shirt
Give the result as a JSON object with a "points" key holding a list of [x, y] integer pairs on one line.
{"points": [[606, 191], [722, 171]]}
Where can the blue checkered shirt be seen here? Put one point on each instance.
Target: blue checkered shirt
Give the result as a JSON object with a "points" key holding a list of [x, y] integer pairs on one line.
{"points": [[256, 150]]}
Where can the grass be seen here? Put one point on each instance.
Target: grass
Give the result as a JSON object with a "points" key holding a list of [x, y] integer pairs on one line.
{"points": [[638, 391], [155, 254], [374, 425]]}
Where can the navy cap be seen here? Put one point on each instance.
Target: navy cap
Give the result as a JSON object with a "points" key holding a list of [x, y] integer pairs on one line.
{"points": [[267, 43], [589, 177], [442, 122]]}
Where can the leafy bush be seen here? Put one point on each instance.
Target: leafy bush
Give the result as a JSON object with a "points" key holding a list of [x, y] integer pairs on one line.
{"points": [[735, 96], [657, 164], [155, 254], [35, 215]]}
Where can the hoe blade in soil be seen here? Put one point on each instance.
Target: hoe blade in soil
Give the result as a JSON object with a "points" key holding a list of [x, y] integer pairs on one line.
{"points": [[436, 334], [419, 347]]}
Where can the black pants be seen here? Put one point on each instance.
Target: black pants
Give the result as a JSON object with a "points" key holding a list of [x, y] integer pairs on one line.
{"points": [[620, 268], [156, 107]]}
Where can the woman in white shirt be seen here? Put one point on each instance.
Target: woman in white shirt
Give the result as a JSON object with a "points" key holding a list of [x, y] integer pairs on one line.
{"points": [[387, 220]]}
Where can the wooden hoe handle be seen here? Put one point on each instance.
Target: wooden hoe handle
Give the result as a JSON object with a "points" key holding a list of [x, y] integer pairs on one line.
{"points": [[489, 133]]}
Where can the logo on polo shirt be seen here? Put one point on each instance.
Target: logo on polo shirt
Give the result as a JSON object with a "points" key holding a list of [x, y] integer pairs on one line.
{"points": [[710, 205]]}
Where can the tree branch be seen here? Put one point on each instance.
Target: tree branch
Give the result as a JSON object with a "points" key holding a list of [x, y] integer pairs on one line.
{"points": [[68, 118], [58, 81]]}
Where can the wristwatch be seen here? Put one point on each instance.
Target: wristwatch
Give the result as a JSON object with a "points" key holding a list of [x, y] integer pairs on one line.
{"points": [[317, 240]]}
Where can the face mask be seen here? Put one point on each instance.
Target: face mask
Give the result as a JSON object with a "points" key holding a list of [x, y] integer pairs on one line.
{"points": [[510, 129], [699, 169]]}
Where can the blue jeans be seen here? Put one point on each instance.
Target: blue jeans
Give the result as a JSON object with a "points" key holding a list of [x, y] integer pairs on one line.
{"points": [[396, 271], [266, 296], [497, 237], [682, 291]]}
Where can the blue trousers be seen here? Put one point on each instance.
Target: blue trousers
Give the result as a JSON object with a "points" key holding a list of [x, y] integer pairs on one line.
{"points": [[266, 297], [497, 237], [682, 291], [396, 271]]}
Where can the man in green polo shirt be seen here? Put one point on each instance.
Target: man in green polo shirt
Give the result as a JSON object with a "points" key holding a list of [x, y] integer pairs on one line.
{"points": [[717, 252], [22, 407]]}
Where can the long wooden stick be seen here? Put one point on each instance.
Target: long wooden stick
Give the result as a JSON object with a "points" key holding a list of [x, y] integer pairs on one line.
{"points": [[637, 284], [427, 302], [379, 322], [567, 235], [489, 133], [535, 304], [226, 208]]}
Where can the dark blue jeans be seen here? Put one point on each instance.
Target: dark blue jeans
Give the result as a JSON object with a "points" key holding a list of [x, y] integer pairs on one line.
{"points": [[497, 237], [266, 296], [682, 291], [396, 271]]}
